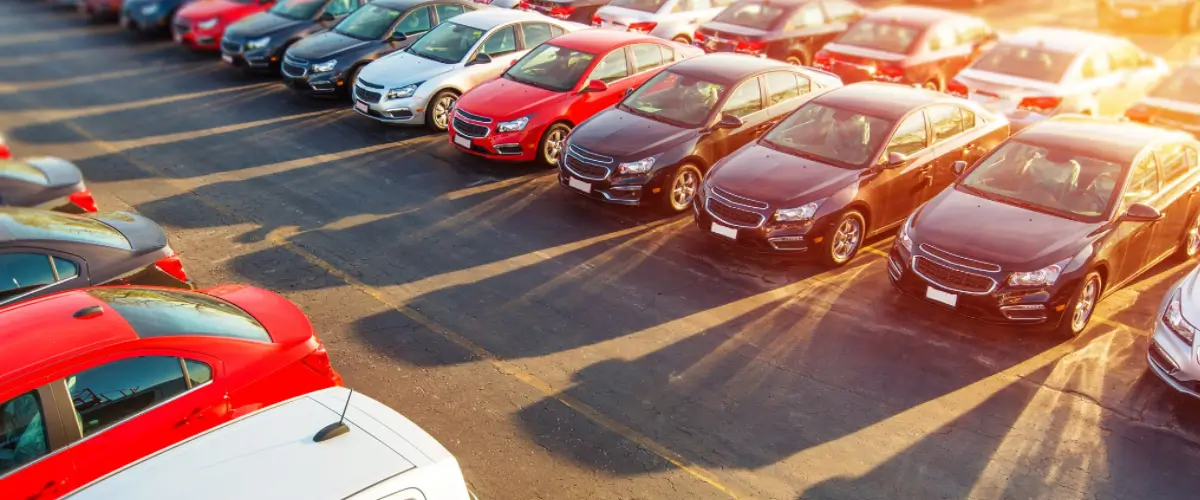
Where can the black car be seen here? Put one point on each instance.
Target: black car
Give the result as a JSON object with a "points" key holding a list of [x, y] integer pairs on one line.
{"points": [[259, 41], [1052, 221], [51, 183], [43, 252], [580, 11], [150, 16], [328, 62], [848, 164], [787, 30], [655, 146], [1173, 103]]}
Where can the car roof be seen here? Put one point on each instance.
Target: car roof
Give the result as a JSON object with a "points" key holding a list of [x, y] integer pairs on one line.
{"points": [[486, 19], [1122, 140], [39, 330], [725, 68], [1059, 39], [915, 16], [405, 4], [595, 41], [882, 100]]}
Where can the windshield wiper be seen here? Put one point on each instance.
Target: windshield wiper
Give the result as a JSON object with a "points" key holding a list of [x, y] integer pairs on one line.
{"points": [[792, 151]]}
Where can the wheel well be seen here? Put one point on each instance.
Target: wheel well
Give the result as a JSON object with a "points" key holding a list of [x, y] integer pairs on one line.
{"points": [[684, 36], [863, 209], [697, 161], [563, 121], [1102, 268]]}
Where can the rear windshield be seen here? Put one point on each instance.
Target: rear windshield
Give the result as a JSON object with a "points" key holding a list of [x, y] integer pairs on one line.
{"points": [[167, 313], [1184, 85], [1033, 63], [32, 224], [23, 172], [884, 36], [642, 5], [760, 16]]}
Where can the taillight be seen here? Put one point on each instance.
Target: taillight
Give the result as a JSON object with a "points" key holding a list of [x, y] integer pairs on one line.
{"points": [[698, 37], [752, 48], [645, 27], [889, 72], [957, 88], [319, 362], [562, 12], [1042, 105], [5, 153], [83, 200], [823, 59], [1138, 113], [596, 20], [524, 5], [172, 266]]}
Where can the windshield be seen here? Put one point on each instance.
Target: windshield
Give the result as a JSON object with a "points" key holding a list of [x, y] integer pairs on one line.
{"points": [[369, 22], [297, 9], [551, 67], [1056, 182], [875, 35], [1183, 85], [642, 5], [679, 100], [830, 135], [448, 43], [1026, 62], [752, 15]]}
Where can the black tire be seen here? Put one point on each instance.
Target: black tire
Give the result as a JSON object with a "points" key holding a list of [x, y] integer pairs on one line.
{"points": [[799, 58], [1189, 245], [437, 113], [1078, 313], [687, 179], [351, 80], [843, 240], [548, 152]]}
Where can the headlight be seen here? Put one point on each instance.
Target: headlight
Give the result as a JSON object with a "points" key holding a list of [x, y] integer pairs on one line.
{"points": [[801, 213], [636, 167], [513, 125], [904, 239], [1173, 317], [1045, 276], [150, 10], [258, 43], [325, 66], [206, 24]]}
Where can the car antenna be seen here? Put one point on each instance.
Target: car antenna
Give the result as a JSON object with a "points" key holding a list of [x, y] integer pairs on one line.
{"points": [[337, 428]]}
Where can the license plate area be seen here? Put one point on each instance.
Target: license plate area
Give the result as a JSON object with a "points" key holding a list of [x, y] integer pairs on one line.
{"points": [[939, 296], [360, 106], [725, 231], [227, 58], [585, 187], [462, 141]]}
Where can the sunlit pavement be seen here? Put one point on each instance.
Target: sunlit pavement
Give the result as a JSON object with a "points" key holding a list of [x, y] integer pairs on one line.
{"points": [[566, 350]]}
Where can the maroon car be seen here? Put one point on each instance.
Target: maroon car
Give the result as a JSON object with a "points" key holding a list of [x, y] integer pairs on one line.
{"points": [[911, 45]]}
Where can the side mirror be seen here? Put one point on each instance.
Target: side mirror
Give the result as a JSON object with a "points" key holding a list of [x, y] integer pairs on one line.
{"points": [[629, 91], [397, 37], [326, 17], [895, 159], [959, 166], [512, 63], [728, 121], [480, 58], [1141, 212], [596, 86]]}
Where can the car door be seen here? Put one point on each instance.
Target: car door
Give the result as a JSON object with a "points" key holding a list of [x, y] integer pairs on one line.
{"points": [[1130, 245], [504, 49], [27, 272], [1174, 199], [132, 403], [614, 69], [33, 464], [786, 91], [900, 189], [746, 103]]}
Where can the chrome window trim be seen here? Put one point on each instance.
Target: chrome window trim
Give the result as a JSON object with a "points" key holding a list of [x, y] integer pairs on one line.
{"points": [[913, 266]]}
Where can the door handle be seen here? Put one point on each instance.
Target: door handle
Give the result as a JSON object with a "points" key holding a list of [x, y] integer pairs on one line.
{"points": [[196, 414]]}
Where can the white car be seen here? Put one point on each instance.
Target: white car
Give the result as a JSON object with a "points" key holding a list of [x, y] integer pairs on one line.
{"points": [[420, 84], [1041, 72], [296, 449], [1174, 354], [669, 19]]}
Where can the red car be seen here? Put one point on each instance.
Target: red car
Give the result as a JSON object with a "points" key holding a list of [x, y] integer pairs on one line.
{"points": [[5, 153], [100, 10], [199, 25], [92, 380], [527, 112]]}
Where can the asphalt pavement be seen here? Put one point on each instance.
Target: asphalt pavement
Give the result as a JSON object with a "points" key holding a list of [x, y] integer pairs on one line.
{"points": [[564, 349]]}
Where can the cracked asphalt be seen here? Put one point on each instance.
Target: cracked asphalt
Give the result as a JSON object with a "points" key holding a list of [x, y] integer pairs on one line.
{"points": [[563, 349]]}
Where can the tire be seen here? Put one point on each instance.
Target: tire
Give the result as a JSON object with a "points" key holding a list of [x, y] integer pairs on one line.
{"points": [[1082, 305], [844, 239], [351, 81], [680, 189], [437, 113], [799, 58], [1189, 245], [552, 143]]}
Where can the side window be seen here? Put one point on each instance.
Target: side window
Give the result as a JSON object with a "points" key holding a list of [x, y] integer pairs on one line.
{"points": [[22, 432], [535, 34], [198, 372], [946, 121], [107, 394], [1191, 156], [612, 68], [943, 37], [973, 33], [744, 101], [910, 136], [447, 11], [1126, 57], [646, 56], [501, 42], [65, 268], [1172, 161], [668, 55], [22, 272], [807, 16], [417, 21], [556, 31], [781, 86], [340, 7], [968, 119], [690, 5], [1095, 65], [840, 11], [1143, 182]]}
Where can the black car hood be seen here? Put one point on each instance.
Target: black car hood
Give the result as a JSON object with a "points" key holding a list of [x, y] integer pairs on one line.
{"points": [[262, 24], [326, 45], [60, 172], [143, 234], [996, 232], [628, 137], [778, 178]]}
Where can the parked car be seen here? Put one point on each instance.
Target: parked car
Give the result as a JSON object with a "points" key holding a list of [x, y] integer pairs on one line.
{"points": [[580, 11], [501, 4], [670, 19], [655, 147], [788, 30], [526, 114], [285, 452], [42, 252], [199, 25], [1059, 216], [1182, 16], [1172, 354], [848, 164], [420, 85], [94, 380], [1040, 72], [5, 151], [911, 45], [96, 11], [328, 62], [51, 183], [258, 42], [1174, 102], [151, 17]]}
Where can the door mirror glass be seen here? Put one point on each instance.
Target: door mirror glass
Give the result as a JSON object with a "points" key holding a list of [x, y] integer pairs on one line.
{"points": [[596, 86], [1141, 212], [959, 167], [480, 58], [397, 37], [895, 159], [326, 17], [728, 121]]}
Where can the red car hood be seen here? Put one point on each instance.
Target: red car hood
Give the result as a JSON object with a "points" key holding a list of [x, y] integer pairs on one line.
{"points": [[207, 9], [503, 99]]}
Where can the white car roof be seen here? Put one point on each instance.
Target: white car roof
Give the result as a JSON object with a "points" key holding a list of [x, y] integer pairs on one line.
{"points": [[1060, 39], [271, 455], [486, 19]]}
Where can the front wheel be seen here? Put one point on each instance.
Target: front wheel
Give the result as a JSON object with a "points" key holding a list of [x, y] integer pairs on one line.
{"points": [[1189, 247], [437, 117], [553, 142], [844, 239], [1083, 304], [682, 186]]}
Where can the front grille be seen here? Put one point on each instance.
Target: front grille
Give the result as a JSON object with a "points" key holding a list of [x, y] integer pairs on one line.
{"points": [[959, 260], [468, 129], [952, 279], [589, 155], [731, 214], [584, 169], [365, 95], [369, 85], [182, 28], [472, 116], [739, 199], [293, 69], [231, 47]]}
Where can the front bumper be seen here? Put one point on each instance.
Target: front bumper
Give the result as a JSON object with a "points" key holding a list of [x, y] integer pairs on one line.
{"points": [[479, 137], [185, 34], [629, 190], [371, 104], [1171, 358], [133, 19], [233, 54], [766, 236]]}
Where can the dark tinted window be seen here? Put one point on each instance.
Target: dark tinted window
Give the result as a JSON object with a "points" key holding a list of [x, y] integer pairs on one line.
{"points": [[612, 68], [1143, 182], [198, 372], [535, 34], [417, 21], [24, 272], [1126, 57], [879, 35], [107, 394], [1096, 65], [973, 32], [501, 42], [556, 31], [160, 313], [968, 119], [447, 10], [943, 37], [340, 7], [65, 268], [22, 432], [646, 56], [745, 100], [1173, 161], [668, 55], [1034, 63], [840, 11], [910, 136], [1182, 85], [783, 85], [754, 14], [298, 9], [946, 121], [22, 172], [30, 224], [808, 16], [639, 5]]}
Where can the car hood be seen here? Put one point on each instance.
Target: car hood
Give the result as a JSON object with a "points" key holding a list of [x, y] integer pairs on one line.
{"points": [[482, 99], [624, 135], [59, 172], [733, 29], [401, 68], [261, 24], [623, 15], [144, 235], [778, 178], [205, 9], [325, 45], [1014, 236], [863, 52]]}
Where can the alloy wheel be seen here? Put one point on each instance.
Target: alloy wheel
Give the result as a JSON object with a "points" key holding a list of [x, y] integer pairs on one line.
{"points": [[441, 111], [1085, 304], [683, 190], [931, 85], [554, 145], [846, 239], [1192, 242]]}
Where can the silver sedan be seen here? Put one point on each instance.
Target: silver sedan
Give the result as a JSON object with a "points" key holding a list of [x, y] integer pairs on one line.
{"points": [[1174, 355]]}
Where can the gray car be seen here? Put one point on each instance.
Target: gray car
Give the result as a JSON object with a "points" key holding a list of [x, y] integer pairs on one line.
{"points": [[670, 19], [43, 252], [1173, 354], [50, 183]]}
